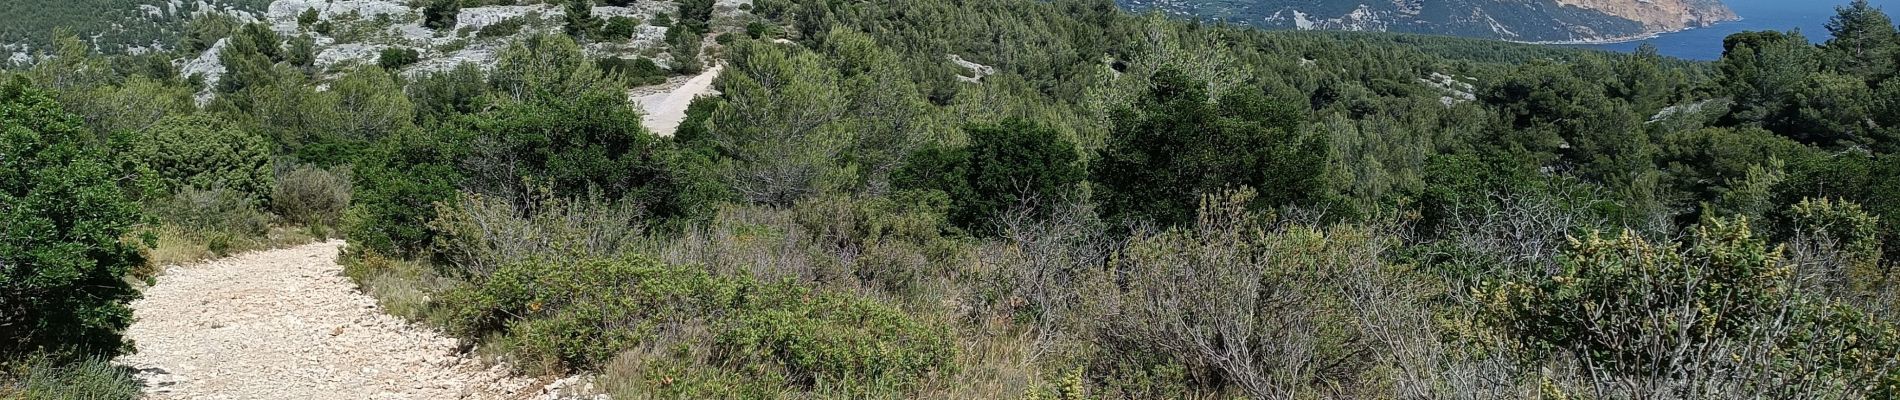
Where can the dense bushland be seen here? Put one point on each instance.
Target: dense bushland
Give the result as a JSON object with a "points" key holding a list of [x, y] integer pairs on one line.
{"points": [[1106, 205]]}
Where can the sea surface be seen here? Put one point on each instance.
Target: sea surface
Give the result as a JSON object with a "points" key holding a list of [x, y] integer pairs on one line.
{"points": [[1808, 16]]}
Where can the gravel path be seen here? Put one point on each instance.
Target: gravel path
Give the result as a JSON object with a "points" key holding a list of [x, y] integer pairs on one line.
{"points": [[285, 324], [665, 110]]}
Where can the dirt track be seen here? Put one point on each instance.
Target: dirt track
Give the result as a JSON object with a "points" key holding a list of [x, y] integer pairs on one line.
{"points": [[285, 324]]}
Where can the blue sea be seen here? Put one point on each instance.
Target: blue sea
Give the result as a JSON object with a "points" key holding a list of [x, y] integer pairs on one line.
{"points": [[1809, 16]]}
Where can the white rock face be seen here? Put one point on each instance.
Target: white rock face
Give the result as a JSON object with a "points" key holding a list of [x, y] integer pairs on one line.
{"points": [[1456, 91], [476, 18], [283, 14], [349, 53], [978, 71], [483, 56], [209, 65]]}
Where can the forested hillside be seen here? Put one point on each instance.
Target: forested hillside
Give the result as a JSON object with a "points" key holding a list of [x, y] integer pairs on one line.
{"points": [[1008, 199], [28, 27], [1516, 20]]}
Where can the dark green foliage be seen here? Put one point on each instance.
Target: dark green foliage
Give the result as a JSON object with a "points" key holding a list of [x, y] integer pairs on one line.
{"points": [[580, 21], [400, 179], [1016, 166], [1853, 176], [1862, 43], [205, 152], [308, 17], [759, 30], [1763, 71], [695, 14], [64, 219], [302, 53], [395, 58], [592, 143], [684, 46], [440, 14], [635, 71], [250, 57], [440, 96], [508, 27], [619, 28], [692, 132], [1174, 145]]}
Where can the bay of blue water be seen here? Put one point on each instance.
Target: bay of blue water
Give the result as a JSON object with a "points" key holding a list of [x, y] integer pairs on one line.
{"points": [[1809, 16]]}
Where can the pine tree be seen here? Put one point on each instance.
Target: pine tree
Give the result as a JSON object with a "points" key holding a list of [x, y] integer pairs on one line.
{"points": [[1864, 41]]}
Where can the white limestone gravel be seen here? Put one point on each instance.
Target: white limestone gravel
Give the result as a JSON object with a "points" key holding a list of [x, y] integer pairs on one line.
{"points": [[285, 324]]}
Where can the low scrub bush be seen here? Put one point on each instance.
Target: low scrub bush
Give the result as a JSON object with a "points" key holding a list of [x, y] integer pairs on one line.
{"points": [[479, 234], [507, 27], [876, 243], [635, 71], [214, 212], [312, 196], [567, 313], [561, 313], [1724, 317], [819, 339], [395, 58], [1271, 310], [38, 377]]}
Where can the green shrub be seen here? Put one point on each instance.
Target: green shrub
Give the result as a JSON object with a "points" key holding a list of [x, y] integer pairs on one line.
{"points": [[1726, 314], [395, 58], [1015, 166], [507, 27], [620, 28], [578, 313], [813, 338], [440, 14], [886, 243], [397, 186], [203, 151], [635, 71], [479, 234], [312, 196], [224, 219], [38, 377], [213, 210], [63, 224]]}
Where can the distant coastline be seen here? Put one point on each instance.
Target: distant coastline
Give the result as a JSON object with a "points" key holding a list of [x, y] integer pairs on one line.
{"points": [[1624, 39]]}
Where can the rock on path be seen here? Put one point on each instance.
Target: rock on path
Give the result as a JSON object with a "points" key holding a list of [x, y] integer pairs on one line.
{"points": [[285, 324]]}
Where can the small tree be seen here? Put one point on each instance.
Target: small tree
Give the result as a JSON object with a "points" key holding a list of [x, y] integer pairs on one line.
{"points": [[63, 218], [1174, 145], [1016, 165], [203, 151]]}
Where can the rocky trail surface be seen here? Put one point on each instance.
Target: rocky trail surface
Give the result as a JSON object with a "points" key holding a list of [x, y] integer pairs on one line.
{"points": [[286, 324]]}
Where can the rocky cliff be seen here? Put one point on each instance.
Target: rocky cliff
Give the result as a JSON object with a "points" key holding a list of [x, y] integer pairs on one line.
{"points": [[1662, 15], [1518, 20]]}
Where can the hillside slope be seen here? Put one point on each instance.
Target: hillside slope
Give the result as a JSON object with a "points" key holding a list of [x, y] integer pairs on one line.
{"points": [[1517, 20]]}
